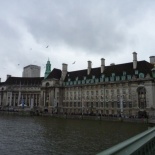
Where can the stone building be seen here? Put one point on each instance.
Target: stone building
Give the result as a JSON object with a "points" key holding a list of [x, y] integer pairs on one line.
{"points": [[123, 89], [119, 89], [20, 91]]}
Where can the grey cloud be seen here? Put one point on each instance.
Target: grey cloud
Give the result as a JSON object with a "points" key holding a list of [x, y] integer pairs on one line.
{"points": [[100, 27], [96, 26]]}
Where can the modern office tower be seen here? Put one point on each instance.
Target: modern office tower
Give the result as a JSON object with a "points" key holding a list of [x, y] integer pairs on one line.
{"points": [[31, 71]]}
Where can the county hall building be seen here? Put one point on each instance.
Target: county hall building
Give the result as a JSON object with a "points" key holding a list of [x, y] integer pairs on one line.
{"points": [[126, 89]]}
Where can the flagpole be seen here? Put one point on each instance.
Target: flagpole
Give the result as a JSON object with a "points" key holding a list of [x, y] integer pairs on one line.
{"points": [[19, 94]]}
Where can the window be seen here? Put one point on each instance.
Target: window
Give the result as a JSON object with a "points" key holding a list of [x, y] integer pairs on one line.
{"points": [[112, 104], [47, 84], [92, 80], [118, 104], [129, 77], [130, 105], [123, 77], [113, 74], [141, 97], [136, 72], [117, 78], [141, 75], [106, 79], [124, 73], [111, 78]]}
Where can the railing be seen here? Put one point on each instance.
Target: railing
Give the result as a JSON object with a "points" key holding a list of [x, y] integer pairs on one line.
{"points": [[141, 144]]}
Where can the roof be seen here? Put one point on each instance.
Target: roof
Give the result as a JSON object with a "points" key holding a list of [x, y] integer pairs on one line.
{"points": [[24, 80], [54, 74], [142, 67], [31, 66], [2, 83]]}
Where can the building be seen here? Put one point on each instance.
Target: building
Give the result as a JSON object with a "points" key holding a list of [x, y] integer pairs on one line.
{"points": [[48, 69], [20, 90], [119, 89], [124, 89], [31, 71]]}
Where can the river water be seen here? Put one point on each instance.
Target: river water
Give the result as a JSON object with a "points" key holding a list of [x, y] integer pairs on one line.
{"points": [[25, 135]]}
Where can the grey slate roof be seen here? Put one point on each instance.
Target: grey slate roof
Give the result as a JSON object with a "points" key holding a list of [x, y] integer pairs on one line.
{"points": [[24, 80], [142, 67]]}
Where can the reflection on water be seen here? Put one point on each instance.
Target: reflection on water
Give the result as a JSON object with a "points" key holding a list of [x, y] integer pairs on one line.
{"points": [[53, 136]]}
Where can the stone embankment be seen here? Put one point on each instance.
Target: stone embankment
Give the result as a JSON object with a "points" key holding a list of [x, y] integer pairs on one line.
{"points": [[23, 112]]}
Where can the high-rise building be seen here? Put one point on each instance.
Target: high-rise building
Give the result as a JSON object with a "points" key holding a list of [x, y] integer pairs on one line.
{"points": [[31, 71]]}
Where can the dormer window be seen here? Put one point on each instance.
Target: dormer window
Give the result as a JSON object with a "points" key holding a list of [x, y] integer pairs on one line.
{"points": [[111, 78], [106, 79], [136, 72], [123, 78], [113, 74], [124, 73], [102, 76], [117, 78], [141, 75], [129, 77]]}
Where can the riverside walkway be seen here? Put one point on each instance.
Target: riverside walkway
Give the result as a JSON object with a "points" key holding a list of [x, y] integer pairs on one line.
{"points": [[141, 144]]}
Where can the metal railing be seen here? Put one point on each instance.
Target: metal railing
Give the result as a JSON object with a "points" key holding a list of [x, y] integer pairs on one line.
{"points": [[141, 144]]}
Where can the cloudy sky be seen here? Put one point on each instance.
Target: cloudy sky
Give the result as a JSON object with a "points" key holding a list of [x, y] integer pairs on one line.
{"points": [[74, 30]]}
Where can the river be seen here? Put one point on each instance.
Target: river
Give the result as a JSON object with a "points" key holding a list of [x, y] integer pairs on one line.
{"points": [[27, 135]]}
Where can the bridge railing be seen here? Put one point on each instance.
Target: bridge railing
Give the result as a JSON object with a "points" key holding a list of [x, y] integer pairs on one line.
{"points": [[141, 144]]}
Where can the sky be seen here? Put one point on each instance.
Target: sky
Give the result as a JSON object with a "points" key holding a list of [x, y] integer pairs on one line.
{"points": [[74, 31]]}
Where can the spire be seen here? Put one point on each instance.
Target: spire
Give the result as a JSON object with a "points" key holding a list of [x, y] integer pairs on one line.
{"points": [[48, 68]]}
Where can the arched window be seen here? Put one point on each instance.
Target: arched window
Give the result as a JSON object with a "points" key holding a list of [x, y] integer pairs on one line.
{"points": [[141, 97], [141, 75], [47, 84]]}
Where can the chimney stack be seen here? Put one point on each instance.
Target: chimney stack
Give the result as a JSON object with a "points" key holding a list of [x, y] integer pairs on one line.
{"points": [[0, 80], [134, 60], [89, 67], [64, 70], [8, 76], [102, 65], [152, 59]]}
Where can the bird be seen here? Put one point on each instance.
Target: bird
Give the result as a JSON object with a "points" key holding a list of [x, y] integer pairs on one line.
{"points": [[18, 64], [74, 62], [46, 46], [30, 48]]}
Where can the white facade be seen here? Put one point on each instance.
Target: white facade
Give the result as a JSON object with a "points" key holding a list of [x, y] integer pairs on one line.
{"points": [[31, 71]]}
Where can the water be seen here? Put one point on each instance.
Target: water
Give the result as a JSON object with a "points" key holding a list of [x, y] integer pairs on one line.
{"points": [[53, 136]]}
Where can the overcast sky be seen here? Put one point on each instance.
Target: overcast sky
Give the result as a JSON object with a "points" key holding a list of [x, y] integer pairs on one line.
{"points": [[74, 30]]}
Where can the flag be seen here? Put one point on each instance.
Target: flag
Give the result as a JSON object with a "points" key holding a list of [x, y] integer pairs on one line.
{"points": [[31, 104], [23, 103]]}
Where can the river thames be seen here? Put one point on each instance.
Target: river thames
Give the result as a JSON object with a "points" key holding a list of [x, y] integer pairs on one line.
{"points": [[54, 136]]}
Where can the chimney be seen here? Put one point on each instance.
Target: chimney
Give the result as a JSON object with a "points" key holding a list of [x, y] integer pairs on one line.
{"points": [[0, 79], [152, 59], [134, 60], [89, 67], [8, 76], [64, 71], [102, 65]]}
